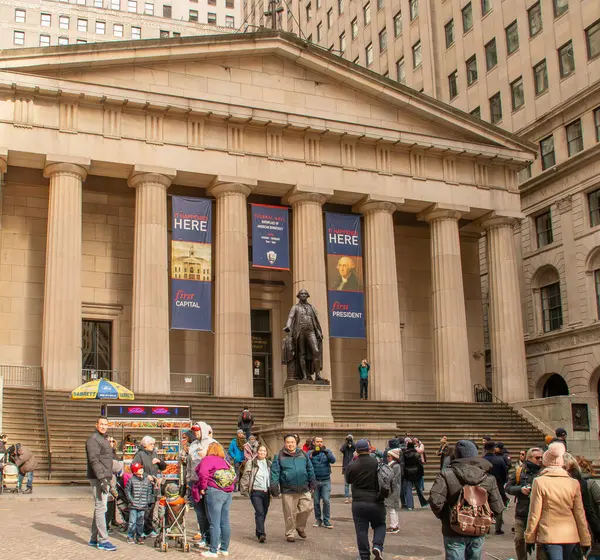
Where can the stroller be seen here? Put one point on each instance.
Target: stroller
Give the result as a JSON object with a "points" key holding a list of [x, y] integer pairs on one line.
{"points": [[172, 508], [121, 503], [9, 478]]}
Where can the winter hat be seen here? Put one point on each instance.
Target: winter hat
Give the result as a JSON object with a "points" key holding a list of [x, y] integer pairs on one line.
{"points": [[499, 445], [465, 449], [136, 468], [363, 446], [548, 440], [489, 445], [554, 456], [560, 432], [394, 454], [190, 435]]}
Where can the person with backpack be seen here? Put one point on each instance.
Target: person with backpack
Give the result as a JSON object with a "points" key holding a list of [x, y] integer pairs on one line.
{"points": [[500, 473], [467, 478], [347, 450], [392, 502], [519, 485], [216, 482], [322, 459], [293, 476], [412, 475], [235, 452], [245, 422], [367, 501]]}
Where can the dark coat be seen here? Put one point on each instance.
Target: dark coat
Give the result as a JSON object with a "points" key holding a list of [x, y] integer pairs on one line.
{"points": [[145, 457], [99, 457], [413, 467], [292, 473], [528, 474], [322, 461], [245, 424], [139, 492], [499, 471], [347, 450], [445, 491], [362, 474], [24, 459]]}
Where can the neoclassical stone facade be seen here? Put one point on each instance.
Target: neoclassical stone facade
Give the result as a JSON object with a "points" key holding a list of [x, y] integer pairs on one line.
{"points": [[94, 139]]}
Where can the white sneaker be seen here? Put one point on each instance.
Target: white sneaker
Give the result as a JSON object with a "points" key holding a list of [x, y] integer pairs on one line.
{"points": [[201, 544], [223, 553], [209, 554]]}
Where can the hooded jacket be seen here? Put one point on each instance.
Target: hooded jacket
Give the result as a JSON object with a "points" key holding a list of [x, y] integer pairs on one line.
{"points": [[139, 492], [24, 459], [99, 457], [347, 450], [292, 473], [413, 467], [528, 474], [197, 451], [472, 471]]}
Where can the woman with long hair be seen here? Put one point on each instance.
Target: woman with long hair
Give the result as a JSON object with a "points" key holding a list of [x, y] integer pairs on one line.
{"points": [[556, 519], [216, 482], [255, 484]]}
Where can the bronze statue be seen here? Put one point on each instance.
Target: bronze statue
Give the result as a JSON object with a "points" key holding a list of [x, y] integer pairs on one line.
{"points": [[303, 346]]}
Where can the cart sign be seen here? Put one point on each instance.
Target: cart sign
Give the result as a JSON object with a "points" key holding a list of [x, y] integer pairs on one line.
{"points": [[147, 411]]}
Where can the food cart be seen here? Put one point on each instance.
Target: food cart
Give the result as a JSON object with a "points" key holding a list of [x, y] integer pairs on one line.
{"points": [[171, 420]]}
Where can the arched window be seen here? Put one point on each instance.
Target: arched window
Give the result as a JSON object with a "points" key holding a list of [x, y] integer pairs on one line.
{"points": [[547, 281], [593, 272], [555, 386]]}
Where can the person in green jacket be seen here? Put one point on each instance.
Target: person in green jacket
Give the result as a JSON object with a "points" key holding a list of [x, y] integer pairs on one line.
{"points": [[363, 371]]}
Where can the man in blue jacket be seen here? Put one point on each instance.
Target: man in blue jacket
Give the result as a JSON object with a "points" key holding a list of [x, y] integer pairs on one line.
{"points": [[322, 459], [293, 476]]}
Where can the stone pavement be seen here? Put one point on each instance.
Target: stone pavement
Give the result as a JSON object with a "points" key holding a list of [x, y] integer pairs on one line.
{"points": [[53, 524]]}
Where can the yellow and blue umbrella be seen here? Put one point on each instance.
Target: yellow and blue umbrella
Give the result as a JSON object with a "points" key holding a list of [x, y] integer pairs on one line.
{"points": [[102, 389]]}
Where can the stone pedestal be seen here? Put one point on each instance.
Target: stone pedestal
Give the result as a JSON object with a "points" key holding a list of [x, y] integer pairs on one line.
{"points": [[306, 402]]}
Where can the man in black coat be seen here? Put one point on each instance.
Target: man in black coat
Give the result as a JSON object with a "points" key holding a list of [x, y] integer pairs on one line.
{"points": [[412, 475], [500, 473], [367, 507], [347, 450]]}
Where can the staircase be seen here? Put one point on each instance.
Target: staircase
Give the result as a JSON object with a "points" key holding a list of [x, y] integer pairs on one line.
{"points": [[71, 422]]}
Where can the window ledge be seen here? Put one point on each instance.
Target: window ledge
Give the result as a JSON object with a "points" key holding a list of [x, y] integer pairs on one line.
{"points": [[544, 249], [515, 111], [538, 95]]}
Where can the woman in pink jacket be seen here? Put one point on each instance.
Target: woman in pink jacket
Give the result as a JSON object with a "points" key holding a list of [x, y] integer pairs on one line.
{"points": [[216, 482]]}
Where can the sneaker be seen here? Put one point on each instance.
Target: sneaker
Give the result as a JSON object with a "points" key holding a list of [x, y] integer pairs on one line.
{"points": [[201, 544], [223, 552], [139, 541], [327, 525], [198, 537], [499, 532], [409, 509], [93, 543], [152, 534], [262, 538], [347, 501], [394, 530], [28, 491], [317, 523], [377, 553], [130, 540], [290, 539], [107, 546], [209, 554]]}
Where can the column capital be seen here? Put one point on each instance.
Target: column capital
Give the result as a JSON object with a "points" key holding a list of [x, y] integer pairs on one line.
{"points": [[500, 218], [225, 184], [304, 193], [3, 160], [370, 204], [442, 212], [67, 165], [149, 174]]}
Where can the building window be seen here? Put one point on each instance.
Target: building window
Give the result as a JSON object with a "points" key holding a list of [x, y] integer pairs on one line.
{"points": [[132, 6], [534, 15], [63, 22], [382, 40], [543, 229], [597, 123], [524, 174], [136, 32], [453, 84], [329, 18], [211, 17], [149, 8], [340, 7], [81, 3], [98, 4], [471, 70], [467, 17], [476, 112], [212, 2], [96, 345], [486, 7], [369, 53], [45, 20], [574, 137], [449, 32], [115, 4], [495, 108], [597, 283], [416, 54], [400, 70], [380, 4], [82, 25], [594, 204], [547, 152], [560, 7], [308, 11], [592, 38], [231, 4], [540, 77], [356, 60], [176, 34], [44, 40], [118, 30], [343, 42], [414, 9], [566, 60], [353, 28], [551, 307], [81, 41], [491, 55], [167, 11], [164, 34], [19, 37], [516, 93], [193, 15], [320, 31], [318, 4], [100, 27], [367, 13], [230, 21], [512, 37], [63, 40], [398, 24], [19, 16]]}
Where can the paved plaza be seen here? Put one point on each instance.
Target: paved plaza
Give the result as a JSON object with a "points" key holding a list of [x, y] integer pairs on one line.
{"points": [[54, 524]]}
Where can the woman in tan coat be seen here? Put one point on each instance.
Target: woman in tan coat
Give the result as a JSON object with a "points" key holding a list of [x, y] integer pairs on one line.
{"points": [[556, 520]]}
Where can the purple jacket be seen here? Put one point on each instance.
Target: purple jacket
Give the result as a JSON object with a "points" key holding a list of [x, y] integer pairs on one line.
{"points": [[205, 471]]}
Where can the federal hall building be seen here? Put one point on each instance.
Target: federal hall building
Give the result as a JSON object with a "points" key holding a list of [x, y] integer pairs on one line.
{"points": [[95, 139]]}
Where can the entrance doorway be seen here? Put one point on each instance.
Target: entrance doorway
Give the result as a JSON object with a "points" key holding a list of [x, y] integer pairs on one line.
{"points": [[555, 386], [96, 349], [262, 357]]}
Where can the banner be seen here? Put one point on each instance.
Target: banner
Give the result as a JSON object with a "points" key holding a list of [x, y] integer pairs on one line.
{"points": [[345, 276], [191, 264], [270, 237]]}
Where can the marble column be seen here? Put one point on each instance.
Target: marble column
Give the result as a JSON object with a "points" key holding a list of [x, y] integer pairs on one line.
{"points": [[384, 343], [450, 339], [150, 364], [61, 322], [309, 257], [233, 344], [509, 369]]}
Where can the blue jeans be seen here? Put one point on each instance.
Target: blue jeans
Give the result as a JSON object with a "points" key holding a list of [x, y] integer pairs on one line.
{"points": [[346, 490], [323, 492], [136, 523], [463, 548], [408, 495], [29, 476], [202, 518], [558, 551], [218, 503]]}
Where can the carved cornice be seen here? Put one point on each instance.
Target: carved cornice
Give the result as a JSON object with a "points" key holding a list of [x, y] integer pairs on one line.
{"points": [[563, 340]]}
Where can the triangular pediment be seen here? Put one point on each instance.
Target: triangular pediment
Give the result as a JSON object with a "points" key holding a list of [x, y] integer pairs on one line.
{"points": [[265, 74]]}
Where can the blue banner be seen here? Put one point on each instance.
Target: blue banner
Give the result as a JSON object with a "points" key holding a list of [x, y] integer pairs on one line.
{"points": [[345, 276], [191, 264], [270, 237]]}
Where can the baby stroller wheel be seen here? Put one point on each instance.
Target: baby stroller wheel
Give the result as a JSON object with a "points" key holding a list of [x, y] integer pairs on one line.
{"points": [[186, 547], [165, 547], [157, 542]]}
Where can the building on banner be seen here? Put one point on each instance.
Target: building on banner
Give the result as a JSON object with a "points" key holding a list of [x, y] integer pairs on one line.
{"points": [[191, 264], [345, 286], [270, 237]]}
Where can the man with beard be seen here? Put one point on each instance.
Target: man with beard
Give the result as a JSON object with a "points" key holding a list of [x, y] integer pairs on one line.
{"points": [[519, 485]]}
